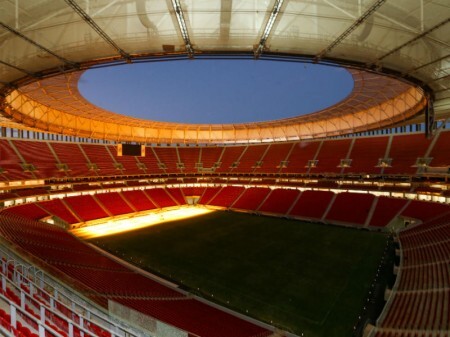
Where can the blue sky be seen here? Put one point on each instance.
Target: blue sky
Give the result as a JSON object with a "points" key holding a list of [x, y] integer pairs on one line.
{"points": [[215, 91]]}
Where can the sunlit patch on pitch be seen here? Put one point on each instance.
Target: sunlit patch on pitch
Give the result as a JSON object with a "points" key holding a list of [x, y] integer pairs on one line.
{"points": [[111, 226]]}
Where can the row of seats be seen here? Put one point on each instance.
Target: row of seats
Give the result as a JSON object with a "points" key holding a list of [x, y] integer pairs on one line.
{"points": [[27, 159], [359, 209], [56, 319], [420, 302]]}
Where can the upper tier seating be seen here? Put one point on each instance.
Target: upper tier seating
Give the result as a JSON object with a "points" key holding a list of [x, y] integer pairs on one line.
{"points": [[230, 156], [251, 159], [10, 163], [405, 149], [100, 156], [51, 159], [150, 162], [365, 154], [76, 161], [301, 153], [439, 153], [275, 155], [40, 155], [189, 156], [210, 156], [168, 158], [129, 163], [330, 155]]}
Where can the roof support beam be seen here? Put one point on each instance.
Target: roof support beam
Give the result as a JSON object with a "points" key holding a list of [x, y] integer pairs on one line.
{"points": [[225, 18], [350, 29], [428, 64], [19, 69], [37, 45], [418, 37], [268, 29], [97, 29], [183, 27]]}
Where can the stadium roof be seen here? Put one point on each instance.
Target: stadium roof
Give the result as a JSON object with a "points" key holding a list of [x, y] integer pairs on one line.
{"points": [[399, 51]]}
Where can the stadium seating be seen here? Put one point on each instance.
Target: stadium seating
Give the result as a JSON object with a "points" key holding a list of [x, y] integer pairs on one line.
{"points": [[210, 155], [405, 149], [420, 301], [312, 204], [301, 153], [86, 207], [230, 156], [350, 208], [10, 163], [279, 201], [424, 210], [226, 196], [168, 156], [193, 191], [251, 199], [439, 152], [31, 211], [39, 154], [365, 154], [423, 280], [114, 202], [100, 156], [208, 195], [150, 161], [160, 197], [275, 155], [251, 159], [189, 314], [385, 211], [129, 163], [330, 155], [108, 279], [190, 157], [71, 155], [139, 200], [177, 194]]}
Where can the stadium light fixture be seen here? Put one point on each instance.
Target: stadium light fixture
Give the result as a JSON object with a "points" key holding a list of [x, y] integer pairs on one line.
{"points": [[183, 28], [268, 28]]}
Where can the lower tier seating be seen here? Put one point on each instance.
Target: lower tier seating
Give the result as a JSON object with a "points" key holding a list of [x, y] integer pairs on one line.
{"points": [[102, 279]]}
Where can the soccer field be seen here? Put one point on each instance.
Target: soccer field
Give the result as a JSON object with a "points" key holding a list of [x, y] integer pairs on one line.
{"points": [[301, 277]]}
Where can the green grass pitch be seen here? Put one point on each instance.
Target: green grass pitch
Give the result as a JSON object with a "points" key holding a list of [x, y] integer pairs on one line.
{"points": [[301, 277]]}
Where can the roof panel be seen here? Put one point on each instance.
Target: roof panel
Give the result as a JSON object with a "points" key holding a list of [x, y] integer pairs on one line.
{"points": [[138, 27]]}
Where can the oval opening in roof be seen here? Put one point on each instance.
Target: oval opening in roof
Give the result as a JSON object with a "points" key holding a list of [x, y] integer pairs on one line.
{"points": [[216, 91]]}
